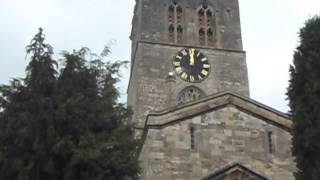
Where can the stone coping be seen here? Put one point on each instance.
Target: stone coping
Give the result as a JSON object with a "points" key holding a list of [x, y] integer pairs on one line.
{"points": [[179, 113]]}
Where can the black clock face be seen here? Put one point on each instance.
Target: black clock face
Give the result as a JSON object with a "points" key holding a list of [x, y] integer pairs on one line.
{"points": [[191, 65]]}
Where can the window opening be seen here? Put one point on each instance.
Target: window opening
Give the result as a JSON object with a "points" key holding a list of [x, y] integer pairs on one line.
{"points": [[171, 14], [175, 30], [271, 143], [192, 140], [189, 94], [209, 17], [179, 14], [206, 25], [201, 17], [171, 33], [201, 37], [210, 36], [180, 34]]}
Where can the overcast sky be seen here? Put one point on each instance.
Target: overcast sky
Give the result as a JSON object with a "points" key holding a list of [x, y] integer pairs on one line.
{"points": [[269, 31]]}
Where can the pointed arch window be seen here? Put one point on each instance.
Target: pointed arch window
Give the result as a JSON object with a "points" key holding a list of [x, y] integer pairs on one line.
{"points": [[175, 19], [206, 19], [201, 17], [179, 14], [171, 14]]}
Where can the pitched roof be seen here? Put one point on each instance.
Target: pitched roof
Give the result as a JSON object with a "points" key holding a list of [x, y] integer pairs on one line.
{"points": [[214, 102]]}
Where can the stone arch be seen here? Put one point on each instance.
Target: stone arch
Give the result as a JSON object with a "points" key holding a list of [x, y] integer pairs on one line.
{"points": [[188, 94]]}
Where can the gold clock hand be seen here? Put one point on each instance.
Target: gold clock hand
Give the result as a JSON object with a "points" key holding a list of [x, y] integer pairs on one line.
{"points": [[191, 54]]}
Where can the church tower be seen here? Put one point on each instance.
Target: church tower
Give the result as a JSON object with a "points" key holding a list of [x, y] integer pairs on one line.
{"points": [[189, 93], [164, 71]]}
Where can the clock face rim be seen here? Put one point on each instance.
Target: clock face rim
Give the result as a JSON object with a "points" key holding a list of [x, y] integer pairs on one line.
{"points": [[188, 80]]}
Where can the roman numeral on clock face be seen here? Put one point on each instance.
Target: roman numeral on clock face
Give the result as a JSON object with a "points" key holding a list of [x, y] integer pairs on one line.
{"points": [[177, 63], [179, 70], [184, 76], [204, 72], [178, 57], [184, 52], [206, 66], [192, 78]]}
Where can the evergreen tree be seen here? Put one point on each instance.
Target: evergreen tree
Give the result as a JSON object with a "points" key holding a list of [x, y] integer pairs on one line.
{"points": [[26, 131], [304, 97], [67, 125], [94, 133]]}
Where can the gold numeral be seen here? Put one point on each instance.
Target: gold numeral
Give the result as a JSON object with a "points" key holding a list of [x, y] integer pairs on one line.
{"points": [[177, 63], [191, 78], [179, 70], [204, 72], [206, 66], [184, 52], [184, 76]]}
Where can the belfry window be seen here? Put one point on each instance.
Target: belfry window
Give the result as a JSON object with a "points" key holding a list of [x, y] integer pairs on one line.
{"points": [[179, 14], [175, 19], [171, 33], [201, 17], [210, 36], [171, 14], [202, 37], [206, 26], [180, 34], [209, 17]]}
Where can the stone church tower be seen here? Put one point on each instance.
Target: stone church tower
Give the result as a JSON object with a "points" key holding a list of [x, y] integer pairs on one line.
{"points": [[189, 92]]}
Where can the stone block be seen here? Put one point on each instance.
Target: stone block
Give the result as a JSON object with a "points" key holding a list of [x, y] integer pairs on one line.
{"points": [[240, 133]]}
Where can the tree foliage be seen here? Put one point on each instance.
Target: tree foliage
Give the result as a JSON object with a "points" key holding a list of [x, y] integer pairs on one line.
{"points": [[304, 96], [67, 124]]}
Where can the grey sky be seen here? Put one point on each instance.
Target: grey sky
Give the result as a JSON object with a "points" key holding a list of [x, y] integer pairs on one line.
{"points": [[269, 29]]}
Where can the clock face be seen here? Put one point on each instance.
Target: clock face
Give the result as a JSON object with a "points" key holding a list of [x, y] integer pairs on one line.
{"points": [[191, 65]]}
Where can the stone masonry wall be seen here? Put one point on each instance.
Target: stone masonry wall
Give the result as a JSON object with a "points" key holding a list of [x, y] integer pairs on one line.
{"points": [[150, 91], [222, 137], [154, 23]]}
